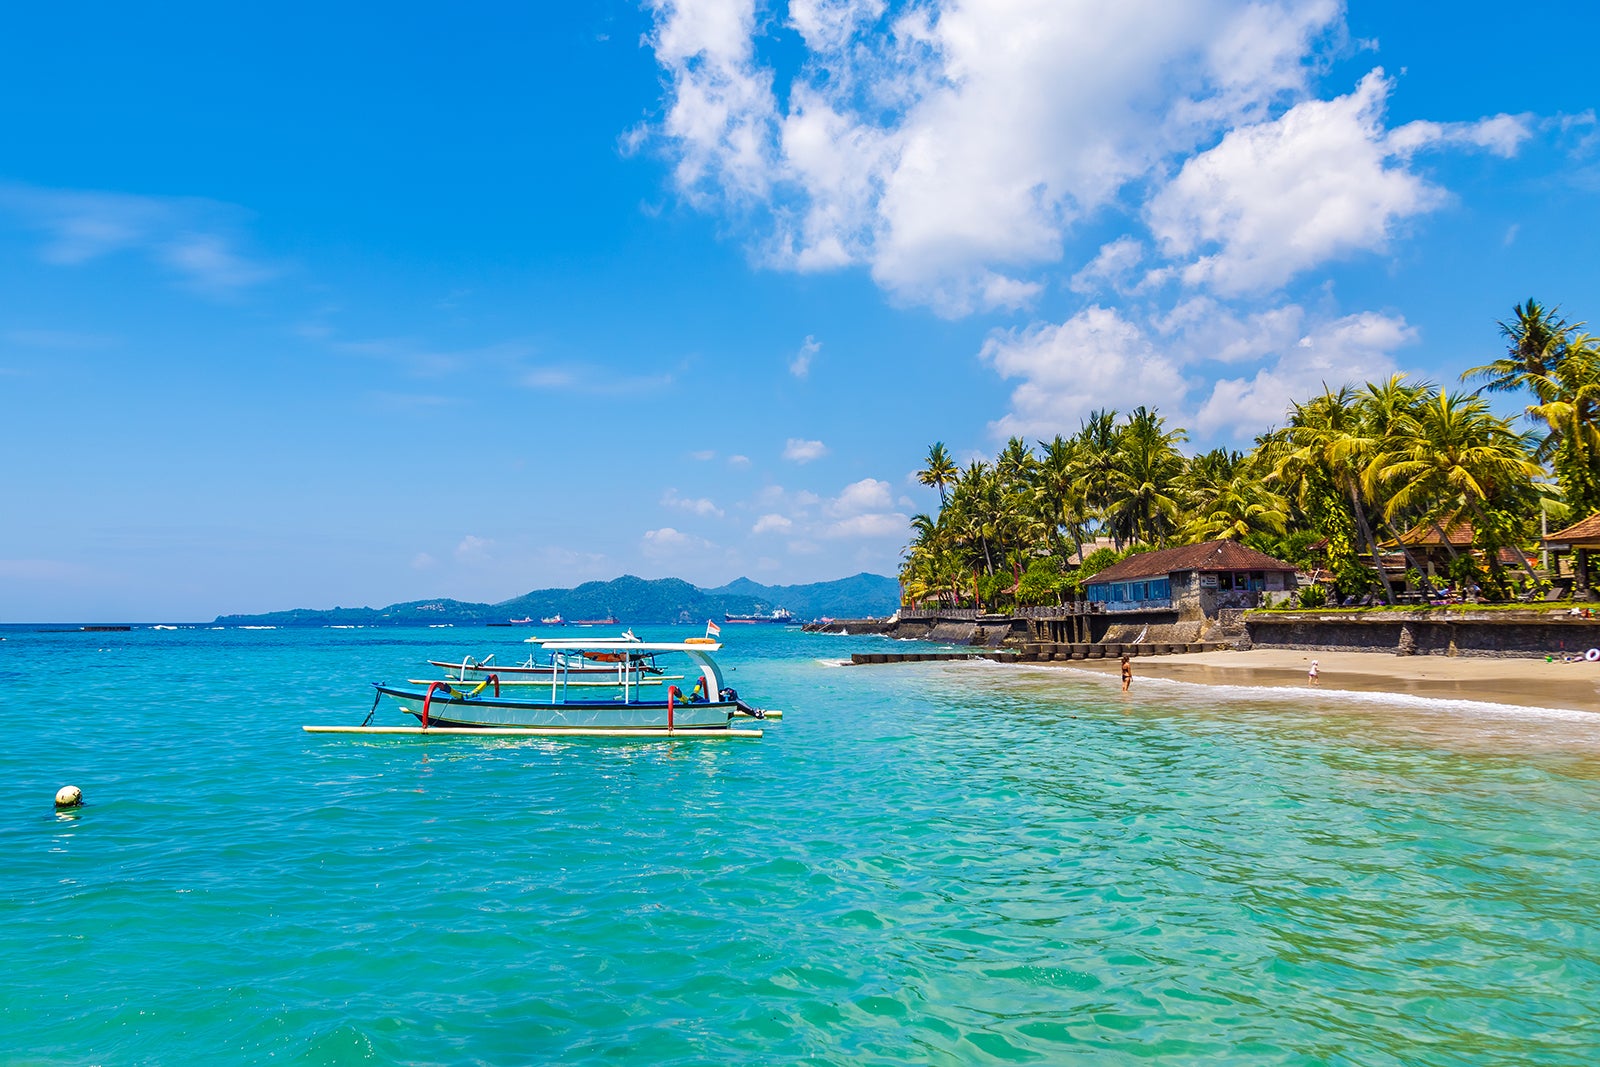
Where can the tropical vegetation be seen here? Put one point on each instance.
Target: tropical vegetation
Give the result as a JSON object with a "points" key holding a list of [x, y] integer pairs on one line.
{"points": [[1332, 490]]}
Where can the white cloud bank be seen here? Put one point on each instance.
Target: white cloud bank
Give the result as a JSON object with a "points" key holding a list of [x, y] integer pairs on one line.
{"points": [[951, 146], [1102, 359], [1096, 359], [954, 148], [1321, 182]]}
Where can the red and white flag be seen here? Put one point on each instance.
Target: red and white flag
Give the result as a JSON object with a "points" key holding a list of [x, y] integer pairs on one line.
{"points": [[712, 629]]}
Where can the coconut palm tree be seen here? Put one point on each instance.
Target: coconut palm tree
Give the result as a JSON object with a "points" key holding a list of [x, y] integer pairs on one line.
{"points": [[1572, 412], [1538, 340], [1061, 498], [1096, 445], [940, 472], [1144, 505], [974, 503], [1325, 449], [1455, 454], [1227, 500]]}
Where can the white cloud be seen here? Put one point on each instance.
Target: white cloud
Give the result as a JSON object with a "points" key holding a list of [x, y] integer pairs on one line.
{"points": [[739, 461], [868, 494], [1095, 359], [1112, 267], [422, 561], [549, 378], [800, 365], [1323, 181], [1201, 328], [952, 146], [693, 505], [703, 455], [1501, 135], [211, 262], [1353, 349], [802, 451], [667, 542], [870, 525], [591, 380], [195, 239], [772, 523], [474, 549], [722, 116], [795, 503]]}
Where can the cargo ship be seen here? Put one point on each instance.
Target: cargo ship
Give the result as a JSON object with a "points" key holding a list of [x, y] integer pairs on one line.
{"points": [[778, 615]]}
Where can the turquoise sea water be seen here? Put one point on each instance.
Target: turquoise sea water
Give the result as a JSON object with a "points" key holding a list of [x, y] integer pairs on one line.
{"points": [[923, 863]]}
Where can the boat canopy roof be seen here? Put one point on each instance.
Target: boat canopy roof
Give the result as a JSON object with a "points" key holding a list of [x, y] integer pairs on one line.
{"points": [[612, 644]]}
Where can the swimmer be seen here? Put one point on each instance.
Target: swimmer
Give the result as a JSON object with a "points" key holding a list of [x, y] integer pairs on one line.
{"points": [[1312, 673], [1127, 674]]}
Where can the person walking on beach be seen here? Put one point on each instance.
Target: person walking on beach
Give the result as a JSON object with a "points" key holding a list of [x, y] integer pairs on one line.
{"points": [[1312, 673], [1127, 674]]}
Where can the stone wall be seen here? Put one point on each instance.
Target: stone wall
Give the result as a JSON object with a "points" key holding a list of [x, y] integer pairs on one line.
{"points": [[1427, 633], [852, 626], [949, 631], [1172, 632]]}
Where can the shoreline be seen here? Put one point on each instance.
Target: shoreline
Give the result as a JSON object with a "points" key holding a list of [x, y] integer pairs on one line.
{"points": [[1524, 682]]}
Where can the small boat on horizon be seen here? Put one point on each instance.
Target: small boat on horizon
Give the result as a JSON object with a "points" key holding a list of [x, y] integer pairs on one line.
{"points": [[778, 615], [550, 620], [609, 620]]}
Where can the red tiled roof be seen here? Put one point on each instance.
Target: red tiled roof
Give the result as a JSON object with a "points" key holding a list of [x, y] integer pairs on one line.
{"points": [[1206, 556], [1459, 532], [1585, 532]]}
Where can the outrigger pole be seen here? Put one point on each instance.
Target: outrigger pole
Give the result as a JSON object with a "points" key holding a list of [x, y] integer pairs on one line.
{"points": [[530, 731]]}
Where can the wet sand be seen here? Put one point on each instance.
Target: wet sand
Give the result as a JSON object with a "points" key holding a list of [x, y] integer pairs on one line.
{"points": [[1526, 682]]}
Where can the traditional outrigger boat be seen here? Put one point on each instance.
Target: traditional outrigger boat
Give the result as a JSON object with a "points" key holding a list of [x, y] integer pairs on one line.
{"points": [[601, 664], [635, 705]]}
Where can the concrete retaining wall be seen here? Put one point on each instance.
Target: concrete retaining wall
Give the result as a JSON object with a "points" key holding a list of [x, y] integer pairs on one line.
{"points": [[1423, 633]]}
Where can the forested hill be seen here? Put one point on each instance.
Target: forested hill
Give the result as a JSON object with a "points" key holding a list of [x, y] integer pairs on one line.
{"points": [[631, 600]]}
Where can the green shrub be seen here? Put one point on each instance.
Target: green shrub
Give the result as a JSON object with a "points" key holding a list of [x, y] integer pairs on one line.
{"points": [[1313, 596]]}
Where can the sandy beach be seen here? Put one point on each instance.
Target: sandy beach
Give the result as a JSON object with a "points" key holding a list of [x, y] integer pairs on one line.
{"points": [[1526, 682]]}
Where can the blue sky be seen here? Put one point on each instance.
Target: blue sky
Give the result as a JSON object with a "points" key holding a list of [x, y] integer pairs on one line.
{"points": [[315, 305]]}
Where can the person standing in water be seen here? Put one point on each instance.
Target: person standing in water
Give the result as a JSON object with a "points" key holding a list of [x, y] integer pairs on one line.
{"points": [[1312, 673], [1127, 674]]}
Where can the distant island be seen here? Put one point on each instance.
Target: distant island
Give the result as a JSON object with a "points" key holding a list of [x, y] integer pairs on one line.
{"points": [[629, 599]]}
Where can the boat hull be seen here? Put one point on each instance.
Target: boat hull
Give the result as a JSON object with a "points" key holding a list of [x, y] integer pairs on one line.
{"points": [[486, 712]]}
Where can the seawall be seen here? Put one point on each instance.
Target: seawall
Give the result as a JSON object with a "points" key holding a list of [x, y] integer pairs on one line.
{"points": [[1450, 631], [1424, 632]]}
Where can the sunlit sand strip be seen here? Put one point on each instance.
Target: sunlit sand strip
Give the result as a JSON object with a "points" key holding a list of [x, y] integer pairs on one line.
{"points": [[1569, 691]]}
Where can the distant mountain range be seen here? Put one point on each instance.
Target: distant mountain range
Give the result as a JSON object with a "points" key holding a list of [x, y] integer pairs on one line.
{"points": [[631, 600]]}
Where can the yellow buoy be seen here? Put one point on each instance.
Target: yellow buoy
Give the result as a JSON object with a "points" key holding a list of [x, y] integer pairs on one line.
{"points": [[69, 796]]}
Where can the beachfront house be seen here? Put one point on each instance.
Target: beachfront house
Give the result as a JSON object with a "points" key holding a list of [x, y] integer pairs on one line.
{"points": [[1580, 541], [1192, 582], [1432, 548]]}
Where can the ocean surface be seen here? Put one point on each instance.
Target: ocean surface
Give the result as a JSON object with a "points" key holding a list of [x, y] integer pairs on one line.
{"points": [[931, 863]]}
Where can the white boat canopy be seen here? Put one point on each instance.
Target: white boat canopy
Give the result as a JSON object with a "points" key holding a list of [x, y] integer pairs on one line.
{"points": [[698, 651], [568, 644]]}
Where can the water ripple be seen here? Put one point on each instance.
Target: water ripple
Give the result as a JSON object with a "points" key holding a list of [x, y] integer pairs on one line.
{"points": [[935, 863]]}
